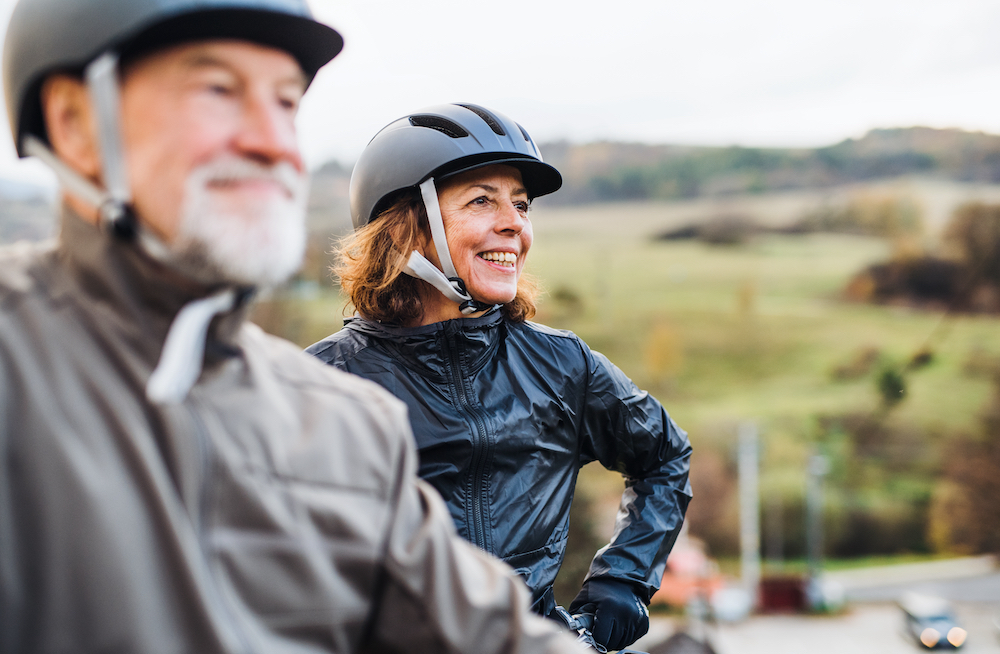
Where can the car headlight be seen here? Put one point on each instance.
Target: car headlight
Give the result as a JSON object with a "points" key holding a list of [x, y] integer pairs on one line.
{"points": [[930, 637], [956, 636]]}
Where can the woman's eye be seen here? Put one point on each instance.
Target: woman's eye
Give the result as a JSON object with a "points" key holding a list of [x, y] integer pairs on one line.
{"points": [[522, 206], [480, 201]]}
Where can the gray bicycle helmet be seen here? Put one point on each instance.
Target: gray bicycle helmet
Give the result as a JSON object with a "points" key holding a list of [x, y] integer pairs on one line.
{"points": [[91, 38], [434, 144], [46, 36], [438, 142]]}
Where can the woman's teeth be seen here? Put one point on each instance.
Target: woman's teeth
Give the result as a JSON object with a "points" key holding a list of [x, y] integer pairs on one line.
{"points": [[507, 259]]}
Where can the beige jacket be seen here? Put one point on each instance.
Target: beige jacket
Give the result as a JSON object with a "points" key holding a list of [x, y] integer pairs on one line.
{"points": [[275, 510]]}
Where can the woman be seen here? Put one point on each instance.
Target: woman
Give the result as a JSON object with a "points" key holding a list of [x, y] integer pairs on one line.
{"points": [[504, 411]]}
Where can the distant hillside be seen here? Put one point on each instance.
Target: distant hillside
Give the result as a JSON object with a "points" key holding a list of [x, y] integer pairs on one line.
{"points": [[607, 171], [329, 203]]}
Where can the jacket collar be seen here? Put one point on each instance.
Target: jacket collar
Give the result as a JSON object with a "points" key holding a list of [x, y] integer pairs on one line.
{"points": [[434, 350], [129, 291]]}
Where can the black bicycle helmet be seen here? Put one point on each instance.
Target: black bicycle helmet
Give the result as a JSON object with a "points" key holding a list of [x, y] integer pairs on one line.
{"points": [[438, 142], [47, 36]]}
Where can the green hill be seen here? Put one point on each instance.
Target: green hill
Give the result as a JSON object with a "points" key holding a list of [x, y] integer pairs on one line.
{"points": [[607, 171]]}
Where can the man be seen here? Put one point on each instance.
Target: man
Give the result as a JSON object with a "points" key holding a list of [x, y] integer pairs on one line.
{"points": [[171, 478]]}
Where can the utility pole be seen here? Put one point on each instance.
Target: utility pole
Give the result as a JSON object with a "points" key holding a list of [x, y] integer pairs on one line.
{"points": [[749, 471], [817, 468]]}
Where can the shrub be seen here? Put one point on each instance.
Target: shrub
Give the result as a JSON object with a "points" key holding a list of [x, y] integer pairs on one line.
{"points": [[923, 280], [974, 234], [721, 229], [868, 214], [965, 513]]}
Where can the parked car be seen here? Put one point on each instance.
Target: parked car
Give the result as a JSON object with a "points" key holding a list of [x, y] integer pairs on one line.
{"points": [[931, 622]]}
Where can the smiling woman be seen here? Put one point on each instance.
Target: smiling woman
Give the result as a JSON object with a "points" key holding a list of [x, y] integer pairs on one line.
{"points": [[485, 217], [504, 411]]}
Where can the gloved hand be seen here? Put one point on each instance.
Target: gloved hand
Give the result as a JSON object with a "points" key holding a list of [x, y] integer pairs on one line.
{"points": [[620, 616]]}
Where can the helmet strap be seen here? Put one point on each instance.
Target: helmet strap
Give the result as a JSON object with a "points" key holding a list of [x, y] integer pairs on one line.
{"points": [[445, 280], [113, 203], [102, 84], [418, 266], [429, 193]]}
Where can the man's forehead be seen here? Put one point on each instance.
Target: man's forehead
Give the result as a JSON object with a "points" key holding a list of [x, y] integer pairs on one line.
{"points": [[244, 57]]}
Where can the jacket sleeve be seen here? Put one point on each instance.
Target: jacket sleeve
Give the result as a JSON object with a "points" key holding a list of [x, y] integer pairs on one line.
{"points": [[440, 594], [629, 431], [9, 583]]}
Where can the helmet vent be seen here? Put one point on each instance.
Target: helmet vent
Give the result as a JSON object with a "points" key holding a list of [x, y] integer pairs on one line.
{"points": [[523, 133], [443, 125], [487, 118]]}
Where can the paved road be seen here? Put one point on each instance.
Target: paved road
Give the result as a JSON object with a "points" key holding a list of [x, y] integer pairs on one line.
{"points": [[969, 579], [985, 589], [872, 623], [864, 629]]}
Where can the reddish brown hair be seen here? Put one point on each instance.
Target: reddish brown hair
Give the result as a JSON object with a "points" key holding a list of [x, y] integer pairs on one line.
{"points": [[370, 262]]}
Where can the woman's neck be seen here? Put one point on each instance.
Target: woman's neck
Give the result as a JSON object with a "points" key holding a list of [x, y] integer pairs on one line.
{"points": [[438, 308]]}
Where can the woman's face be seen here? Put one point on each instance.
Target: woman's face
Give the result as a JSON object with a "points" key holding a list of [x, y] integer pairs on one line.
{"points": [[485, 214]]}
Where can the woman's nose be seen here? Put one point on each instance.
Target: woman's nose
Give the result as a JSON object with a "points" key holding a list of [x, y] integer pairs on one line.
{"points": [[510, 218]]}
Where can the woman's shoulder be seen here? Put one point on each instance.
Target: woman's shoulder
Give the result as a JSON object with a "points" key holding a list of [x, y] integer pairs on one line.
{"points": [[535, 330], [340, 347], [563, 341]]}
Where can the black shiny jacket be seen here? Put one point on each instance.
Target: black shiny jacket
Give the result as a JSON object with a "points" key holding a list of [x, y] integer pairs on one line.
{"points": [[505, 414]]}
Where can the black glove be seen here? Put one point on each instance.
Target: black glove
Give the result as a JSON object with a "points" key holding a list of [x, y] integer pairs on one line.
{"points": [[620, 616]]}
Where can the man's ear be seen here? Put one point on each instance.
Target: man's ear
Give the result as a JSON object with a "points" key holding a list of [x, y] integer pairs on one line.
{"points": [[71, 124]]}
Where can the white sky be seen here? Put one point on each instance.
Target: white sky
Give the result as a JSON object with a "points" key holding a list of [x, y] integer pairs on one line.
{"points": [[768, 73]]}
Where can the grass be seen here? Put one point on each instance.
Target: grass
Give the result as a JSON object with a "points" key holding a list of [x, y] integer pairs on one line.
{"points": [[727, 334], [730, 566], [752, 331]]}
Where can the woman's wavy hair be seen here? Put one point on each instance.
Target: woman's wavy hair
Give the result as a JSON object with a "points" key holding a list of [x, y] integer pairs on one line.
{"points": [[369, 264]]}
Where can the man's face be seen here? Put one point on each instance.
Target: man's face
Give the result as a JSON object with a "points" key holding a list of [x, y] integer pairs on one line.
{"points": [[213, 160]]}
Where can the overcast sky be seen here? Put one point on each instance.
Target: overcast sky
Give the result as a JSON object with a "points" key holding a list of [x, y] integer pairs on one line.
{"points": [[766, 73]]}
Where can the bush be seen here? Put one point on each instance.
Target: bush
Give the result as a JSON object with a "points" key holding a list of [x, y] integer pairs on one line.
{"points": [[872, 215], [721, 229], [974, 234], [922, 281], [714, 515], [967, 281], [965, 511]]}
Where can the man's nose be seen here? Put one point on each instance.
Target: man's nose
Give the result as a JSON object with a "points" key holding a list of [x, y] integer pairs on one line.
{"points": [[267, 133]]}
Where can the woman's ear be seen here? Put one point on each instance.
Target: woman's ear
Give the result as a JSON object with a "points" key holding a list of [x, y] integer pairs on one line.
{"points": [[408, 234], [70, 124]]}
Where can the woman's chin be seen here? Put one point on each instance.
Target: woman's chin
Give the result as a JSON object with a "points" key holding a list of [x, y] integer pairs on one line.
{"points": [[495, 297]]}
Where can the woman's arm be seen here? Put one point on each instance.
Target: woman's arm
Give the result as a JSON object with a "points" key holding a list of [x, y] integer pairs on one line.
{"points": [[629, 431]]}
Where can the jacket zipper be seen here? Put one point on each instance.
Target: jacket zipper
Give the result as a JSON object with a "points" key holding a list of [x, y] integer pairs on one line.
{"points": [[481, 450]]}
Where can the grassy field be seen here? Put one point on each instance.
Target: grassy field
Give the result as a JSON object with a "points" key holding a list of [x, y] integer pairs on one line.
{"points": [[724, 334]]}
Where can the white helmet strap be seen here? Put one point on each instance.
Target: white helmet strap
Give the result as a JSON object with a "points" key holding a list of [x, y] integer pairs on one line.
{"points": [[446, 280], [429, 193], [418, 266], [102, 84], [71, 180]]}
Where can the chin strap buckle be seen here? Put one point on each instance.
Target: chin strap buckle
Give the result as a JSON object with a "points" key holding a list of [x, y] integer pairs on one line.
{"points": [[119, 219], [469, 307]]}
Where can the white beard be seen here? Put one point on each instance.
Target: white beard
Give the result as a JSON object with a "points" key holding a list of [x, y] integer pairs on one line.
{"points": [[241, 242]]}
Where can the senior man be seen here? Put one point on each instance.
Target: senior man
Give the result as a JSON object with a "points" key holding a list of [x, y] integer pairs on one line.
{"points": [[171, 478]]}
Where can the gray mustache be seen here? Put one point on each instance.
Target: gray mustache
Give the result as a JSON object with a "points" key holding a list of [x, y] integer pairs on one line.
{"points": [[231, 170]]}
